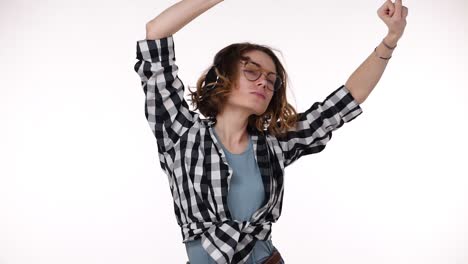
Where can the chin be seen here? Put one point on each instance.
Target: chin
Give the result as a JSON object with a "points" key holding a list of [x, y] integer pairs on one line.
{"points": [[256, 109], [259, 112]]}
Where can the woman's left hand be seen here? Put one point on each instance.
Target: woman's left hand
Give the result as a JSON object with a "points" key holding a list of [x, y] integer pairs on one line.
{"points": [[394, 16]]}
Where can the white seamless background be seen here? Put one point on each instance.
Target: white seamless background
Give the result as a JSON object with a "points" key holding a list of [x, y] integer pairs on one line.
{"points": [[80, 181]]}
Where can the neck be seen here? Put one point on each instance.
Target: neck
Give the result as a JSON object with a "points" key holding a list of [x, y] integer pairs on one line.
{"points": [[231, 126]]}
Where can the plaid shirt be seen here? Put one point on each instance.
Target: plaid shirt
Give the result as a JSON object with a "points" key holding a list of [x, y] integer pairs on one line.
{"points": [[196, 165]]}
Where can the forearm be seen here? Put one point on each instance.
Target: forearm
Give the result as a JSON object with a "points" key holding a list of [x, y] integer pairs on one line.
{"points": [[367, 75], [176, 17]]}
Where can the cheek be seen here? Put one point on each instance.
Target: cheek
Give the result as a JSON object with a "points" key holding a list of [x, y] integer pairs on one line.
{"points": [[243, 85]]}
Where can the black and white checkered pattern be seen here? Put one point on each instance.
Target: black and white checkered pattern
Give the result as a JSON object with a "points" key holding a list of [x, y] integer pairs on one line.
{"points": [[196, 165]]}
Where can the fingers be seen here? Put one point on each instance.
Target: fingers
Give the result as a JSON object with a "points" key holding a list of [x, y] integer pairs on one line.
{"points": [[398, 8], [404, 12], [391, 8], [386, 10]]}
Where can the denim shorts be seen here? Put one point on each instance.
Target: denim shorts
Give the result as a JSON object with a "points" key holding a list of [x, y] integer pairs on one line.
{"points": [[260, 261]]}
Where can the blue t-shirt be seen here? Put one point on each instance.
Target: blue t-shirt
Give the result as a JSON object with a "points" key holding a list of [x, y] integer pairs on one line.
{"points": [[246, 195]]}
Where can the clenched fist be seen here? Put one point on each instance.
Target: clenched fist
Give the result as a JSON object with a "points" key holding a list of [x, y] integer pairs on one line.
{"points": [[394, 16]]}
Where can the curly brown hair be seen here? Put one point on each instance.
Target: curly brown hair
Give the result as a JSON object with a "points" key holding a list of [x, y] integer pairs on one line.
{"points": [[210, 101]]}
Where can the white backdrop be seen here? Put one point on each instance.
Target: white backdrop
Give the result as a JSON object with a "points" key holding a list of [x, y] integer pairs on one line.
{"points": [[80, 181]]}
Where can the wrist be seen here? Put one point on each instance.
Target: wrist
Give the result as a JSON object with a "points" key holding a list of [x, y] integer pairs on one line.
{"points": [[391, 40]]}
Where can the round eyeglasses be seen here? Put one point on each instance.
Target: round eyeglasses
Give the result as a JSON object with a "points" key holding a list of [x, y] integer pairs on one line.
{"points": [[252, 73]]}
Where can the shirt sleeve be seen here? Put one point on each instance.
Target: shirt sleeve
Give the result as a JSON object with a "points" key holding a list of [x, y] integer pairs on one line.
{"points": [[315, 125], [166, 110]]}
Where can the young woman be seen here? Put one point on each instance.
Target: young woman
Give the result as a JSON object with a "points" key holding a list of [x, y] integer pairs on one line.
{"points": [[226, 170]]}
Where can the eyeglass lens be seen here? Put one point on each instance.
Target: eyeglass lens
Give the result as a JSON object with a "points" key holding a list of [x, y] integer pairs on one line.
{"points": [[252, 73]]}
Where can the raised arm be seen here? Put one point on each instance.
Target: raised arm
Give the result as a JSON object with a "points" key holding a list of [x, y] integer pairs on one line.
{"points": [[315, 125], [176, 17], [364, 79], [166, 110]]}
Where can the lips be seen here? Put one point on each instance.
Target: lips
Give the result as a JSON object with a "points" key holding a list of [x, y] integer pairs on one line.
{"points": [[260, 94]]}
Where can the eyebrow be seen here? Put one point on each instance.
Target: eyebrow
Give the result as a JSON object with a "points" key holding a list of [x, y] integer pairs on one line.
{"points": [[258, 64]]}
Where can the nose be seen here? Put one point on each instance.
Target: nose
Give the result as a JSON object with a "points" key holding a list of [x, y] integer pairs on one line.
{"points": [[262, 80]]}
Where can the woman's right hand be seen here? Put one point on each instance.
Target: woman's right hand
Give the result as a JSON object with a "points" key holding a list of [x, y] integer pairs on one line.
{"points": [[176, 17]]}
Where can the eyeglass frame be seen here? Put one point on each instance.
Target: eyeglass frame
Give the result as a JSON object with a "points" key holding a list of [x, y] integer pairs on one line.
{"points": [[244, 62]]}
